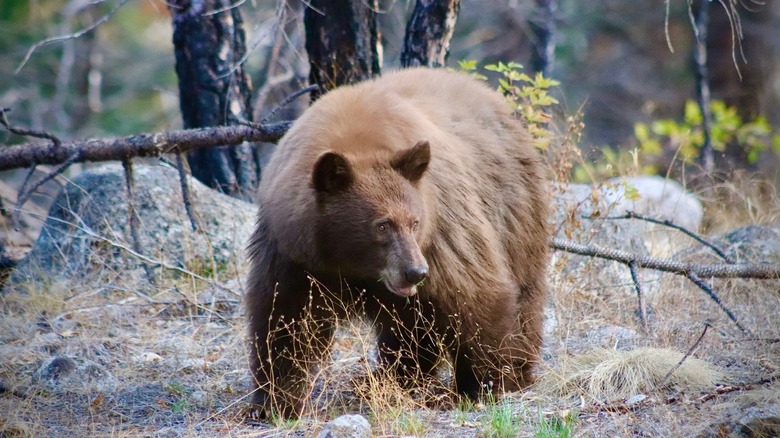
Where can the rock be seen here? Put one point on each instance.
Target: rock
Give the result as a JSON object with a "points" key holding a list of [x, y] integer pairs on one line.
{"points": [[347, 426], [662, 198], [87, 236], [147, 357], [579, 215], [68, 374]]}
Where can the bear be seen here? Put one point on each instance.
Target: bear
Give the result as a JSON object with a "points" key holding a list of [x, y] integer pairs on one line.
{"points": [[418, 201]]}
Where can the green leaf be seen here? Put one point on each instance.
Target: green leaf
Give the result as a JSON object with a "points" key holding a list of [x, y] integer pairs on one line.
{"points": [[692, 113], [631, 193], [641, 131], [467, 64]]}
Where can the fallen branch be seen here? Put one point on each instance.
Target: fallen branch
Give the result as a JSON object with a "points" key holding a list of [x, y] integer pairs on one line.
{"points": [[761, 271], [140, 145]]}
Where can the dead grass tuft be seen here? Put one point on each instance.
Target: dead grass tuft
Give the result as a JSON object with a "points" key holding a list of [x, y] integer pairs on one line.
{"points": [[606, 374]]}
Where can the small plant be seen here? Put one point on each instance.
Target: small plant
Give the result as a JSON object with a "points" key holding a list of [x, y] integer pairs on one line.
{"points": [[283, 423], [529, 96], [556, 427], [465, 406], [410, 423], [179, 406], [501, 421], [727, 127]]}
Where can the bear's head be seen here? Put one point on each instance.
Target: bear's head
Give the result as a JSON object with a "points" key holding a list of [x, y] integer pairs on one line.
{"points": [[372, 216]]}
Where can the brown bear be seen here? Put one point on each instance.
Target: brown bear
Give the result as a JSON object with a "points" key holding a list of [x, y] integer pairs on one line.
{"points": [[417, 201]]}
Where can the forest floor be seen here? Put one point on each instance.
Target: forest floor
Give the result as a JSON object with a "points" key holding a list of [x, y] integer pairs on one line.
{"points": [[173, 362]]}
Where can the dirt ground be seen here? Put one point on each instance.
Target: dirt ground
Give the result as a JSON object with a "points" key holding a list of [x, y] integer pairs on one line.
{"points": [[172, 362]]}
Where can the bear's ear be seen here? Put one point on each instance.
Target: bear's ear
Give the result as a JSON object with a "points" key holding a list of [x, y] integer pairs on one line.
{"points": [[332, 173], [412, 163]]}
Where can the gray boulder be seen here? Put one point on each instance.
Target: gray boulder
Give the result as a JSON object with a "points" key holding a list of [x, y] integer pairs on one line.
{"points": [[86, 237], [580, 216]]}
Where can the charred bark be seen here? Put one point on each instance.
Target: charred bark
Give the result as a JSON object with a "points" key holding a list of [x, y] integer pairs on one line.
{"points": [[429, 32], [543, 29], [214, 89], [702, 20], [342, 42]]}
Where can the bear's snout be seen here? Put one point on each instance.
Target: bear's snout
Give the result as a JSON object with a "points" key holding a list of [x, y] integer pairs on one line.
{"points": [[416, 274]]}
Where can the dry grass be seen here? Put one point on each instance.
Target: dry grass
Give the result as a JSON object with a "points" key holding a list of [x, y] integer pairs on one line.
{"points": [[179, 358], [606, 375]]}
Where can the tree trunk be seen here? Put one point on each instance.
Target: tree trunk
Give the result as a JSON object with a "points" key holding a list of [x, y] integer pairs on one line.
{"points": [[542, 26], [428, 33], [214, 89], [706, 154], [342, 42]]}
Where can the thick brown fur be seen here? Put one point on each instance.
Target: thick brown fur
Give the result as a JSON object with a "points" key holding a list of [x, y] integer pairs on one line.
{"points": [[418, 162]]}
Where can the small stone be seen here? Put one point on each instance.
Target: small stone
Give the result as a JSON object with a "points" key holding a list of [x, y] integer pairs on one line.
{"points": [[635, 399], [347, 426], [147, 357], [68, 374]]}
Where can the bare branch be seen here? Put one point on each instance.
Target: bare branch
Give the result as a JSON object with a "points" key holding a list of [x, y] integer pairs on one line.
{"points": [[685, 357], [25, 193], [133, 220], [763, 271], [639, 295], [670, 224], [185, 190], [708, 290], [78, 34], [27, 132], [287, 100], [140, 145]]}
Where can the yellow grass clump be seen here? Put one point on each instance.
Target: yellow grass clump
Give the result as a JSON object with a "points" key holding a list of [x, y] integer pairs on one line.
{"points": [[605, 374]]}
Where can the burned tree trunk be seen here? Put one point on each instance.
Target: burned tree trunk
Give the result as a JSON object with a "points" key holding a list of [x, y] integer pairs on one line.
{"points": [[542, 26], [706, 154], [342, 42], [214, 89], [428, 33]]}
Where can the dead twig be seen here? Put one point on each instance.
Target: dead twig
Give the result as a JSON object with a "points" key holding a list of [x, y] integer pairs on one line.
{"points": [[670, 224], [69, 36], [185, 190], [693, 348], [640, 297], [25, 193], [287, 100], [26, 132], [133, 215], [708, 290], [693, 271]]}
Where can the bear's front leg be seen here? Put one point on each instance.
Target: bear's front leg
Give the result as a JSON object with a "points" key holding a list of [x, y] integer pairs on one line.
{"points": [[408, 346], [285, 346], [288, 333]]}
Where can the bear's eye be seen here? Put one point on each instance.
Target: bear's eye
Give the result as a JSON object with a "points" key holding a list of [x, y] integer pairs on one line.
{"points": [[382, 227], [415, 224]]}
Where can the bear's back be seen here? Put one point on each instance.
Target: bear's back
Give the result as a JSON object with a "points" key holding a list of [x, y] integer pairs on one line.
{"points": [[484, 180]]}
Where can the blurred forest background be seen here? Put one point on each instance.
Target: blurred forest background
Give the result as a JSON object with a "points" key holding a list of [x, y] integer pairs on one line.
{"points": [[612, 58]]}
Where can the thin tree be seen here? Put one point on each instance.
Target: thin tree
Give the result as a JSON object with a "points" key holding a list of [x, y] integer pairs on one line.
{"points": [[342, 42], [214, 89], [429, 32]]}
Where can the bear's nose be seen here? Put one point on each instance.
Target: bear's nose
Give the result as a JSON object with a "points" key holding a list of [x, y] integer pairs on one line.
{"points": [[416, 274]]}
